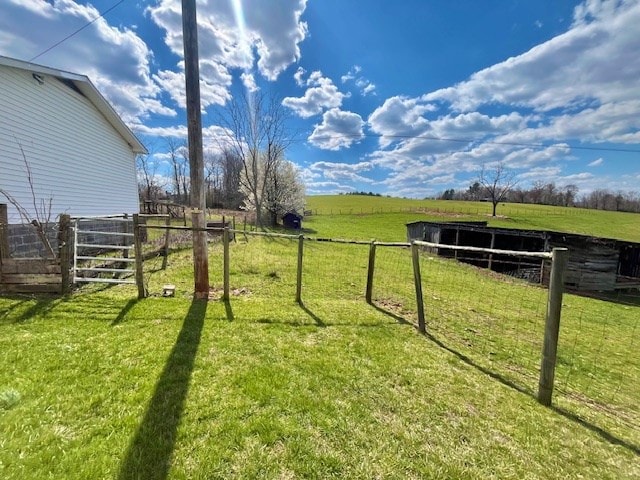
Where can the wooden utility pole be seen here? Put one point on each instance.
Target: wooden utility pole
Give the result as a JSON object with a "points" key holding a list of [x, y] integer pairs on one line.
{"points": [[196, 156]]}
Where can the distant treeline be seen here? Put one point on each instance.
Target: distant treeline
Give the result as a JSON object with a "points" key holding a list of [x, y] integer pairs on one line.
{"points": [[369, 194], [551, 194]]}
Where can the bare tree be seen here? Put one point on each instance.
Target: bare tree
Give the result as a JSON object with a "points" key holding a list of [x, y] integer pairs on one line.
{"points": [[257, 135], [497, 182], [179, 163], [150, 186], [40, 215]]}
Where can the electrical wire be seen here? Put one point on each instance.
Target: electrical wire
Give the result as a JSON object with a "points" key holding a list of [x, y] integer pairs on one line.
{"points": [[77, 31], [469, 140]]}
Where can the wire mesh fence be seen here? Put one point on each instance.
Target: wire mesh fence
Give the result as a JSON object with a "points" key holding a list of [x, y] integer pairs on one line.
{"points": [[495, 321], [263, 266], [492, 320]]}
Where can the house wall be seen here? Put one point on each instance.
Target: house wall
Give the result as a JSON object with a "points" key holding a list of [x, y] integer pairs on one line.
{"points": [[77, 159]]}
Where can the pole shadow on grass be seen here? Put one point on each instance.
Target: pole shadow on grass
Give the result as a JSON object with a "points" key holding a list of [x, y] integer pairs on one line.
{"points": [[149, 453]]}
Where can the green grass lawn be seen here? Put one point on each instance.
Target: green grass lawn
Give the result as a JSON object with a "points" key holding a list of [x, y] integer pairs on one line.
{"points": [[99, 384], [104, 386]]}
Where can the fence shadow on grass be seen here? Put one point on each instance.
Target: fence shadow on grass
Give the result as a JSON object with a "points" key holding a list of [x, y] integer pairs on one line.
{"points": [[123, 313], [395, 316], [149, 453], [315, 317], [505, 381]]}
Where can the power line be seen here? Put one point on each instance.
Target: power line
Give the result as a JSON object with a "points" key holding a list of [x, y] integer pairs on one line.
{"points": [[77, 31], [470, 140]]}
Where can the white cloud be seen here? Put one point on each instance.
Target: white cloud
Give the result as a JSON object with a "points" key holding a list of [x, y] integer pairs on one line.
{"points": [[596, 162], [321, 95], [298, 76], [338, 130], [337, 171], [366, 87], [595, 61], [122, 69], [230, 38]]}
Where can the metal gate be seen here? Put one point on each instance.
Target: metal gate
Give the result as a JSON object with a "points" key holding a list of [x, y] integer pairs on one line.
{"points": [[102, 247]]}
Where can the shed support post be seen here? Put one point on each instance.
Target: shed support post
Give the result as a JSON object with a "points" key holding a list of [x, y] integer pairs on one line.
{"points": [[552, 325]]}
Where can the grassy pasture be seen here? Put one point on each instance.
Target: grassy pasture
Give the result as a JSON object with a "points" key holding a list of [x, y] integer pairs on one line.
{"points": [[100, 385], [354, 216]]}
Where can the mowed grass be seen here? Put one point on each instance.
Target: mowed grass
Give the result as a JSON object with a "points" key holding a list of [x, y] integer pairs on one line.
{"points": [[382, 218], [101, 385], [111, 387]]}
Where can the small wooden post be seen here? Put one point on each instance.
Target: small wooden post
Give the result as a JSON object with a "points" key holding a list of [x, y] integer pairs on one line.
{"points": [[4, 231], [137, 240], [225, 241], [165, 259], [125, 239], [299, 273], [233, 226], [552, 325], [64, 249], [370, 271], [417, 278]]}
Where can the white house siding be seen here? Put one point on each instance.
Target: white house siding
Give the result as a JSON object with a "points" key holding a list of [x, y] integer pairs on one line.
{"points": [[76, 157]]}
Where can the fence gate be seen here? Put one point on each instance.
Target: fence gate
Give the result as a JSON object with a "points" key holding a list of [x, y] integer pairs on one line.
{"points": [[102, 247]]}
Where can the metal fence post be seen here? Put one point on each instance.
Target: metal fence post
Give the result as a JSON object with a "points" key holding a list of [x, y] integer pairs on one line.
{"points": [[552, 325]]}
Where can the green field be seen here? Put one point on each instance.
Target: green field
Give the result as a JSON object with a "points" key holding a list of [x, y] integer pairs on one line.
{"points": [[99, 384], [365, 217]]}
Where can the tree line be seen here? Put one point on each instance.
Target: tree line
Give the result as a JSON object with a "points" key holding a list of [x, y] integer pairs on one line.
{"points": [[551, 194], [247, 169]]}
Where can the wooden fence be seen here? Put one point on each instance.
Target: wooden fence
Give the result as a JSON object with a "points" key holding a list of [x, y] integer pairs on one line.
{"points": [[36, 275]]}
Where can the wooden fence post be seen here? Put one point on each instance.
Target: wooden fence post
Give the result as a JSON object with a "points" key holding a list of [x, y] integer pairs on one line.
{"points": [[299, 273], [225, 241], [125, 239], [417, 278], [165, 259], [370, 271], [137, 240], [64, 249], [552, 325], [4, 231]]}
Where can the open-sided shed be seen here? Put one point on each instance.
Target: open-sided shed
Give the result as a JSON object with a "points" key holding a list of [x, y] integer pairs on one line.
{"points": [[595, 264]]}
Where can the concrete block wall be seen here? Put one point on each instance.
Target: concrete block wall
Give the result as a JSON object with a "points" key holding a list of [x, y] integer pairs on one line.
{"points": [[23, 240]]}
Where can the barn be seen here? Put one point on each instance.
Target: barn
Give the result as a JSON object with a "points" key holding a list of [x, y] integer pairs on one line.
{"points": [[59, 131], [595, 264]]}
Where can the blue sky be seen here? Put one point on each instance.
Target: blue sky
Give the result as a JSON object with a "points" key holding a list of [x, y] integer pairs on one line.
{"points": [[403, 98]]}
